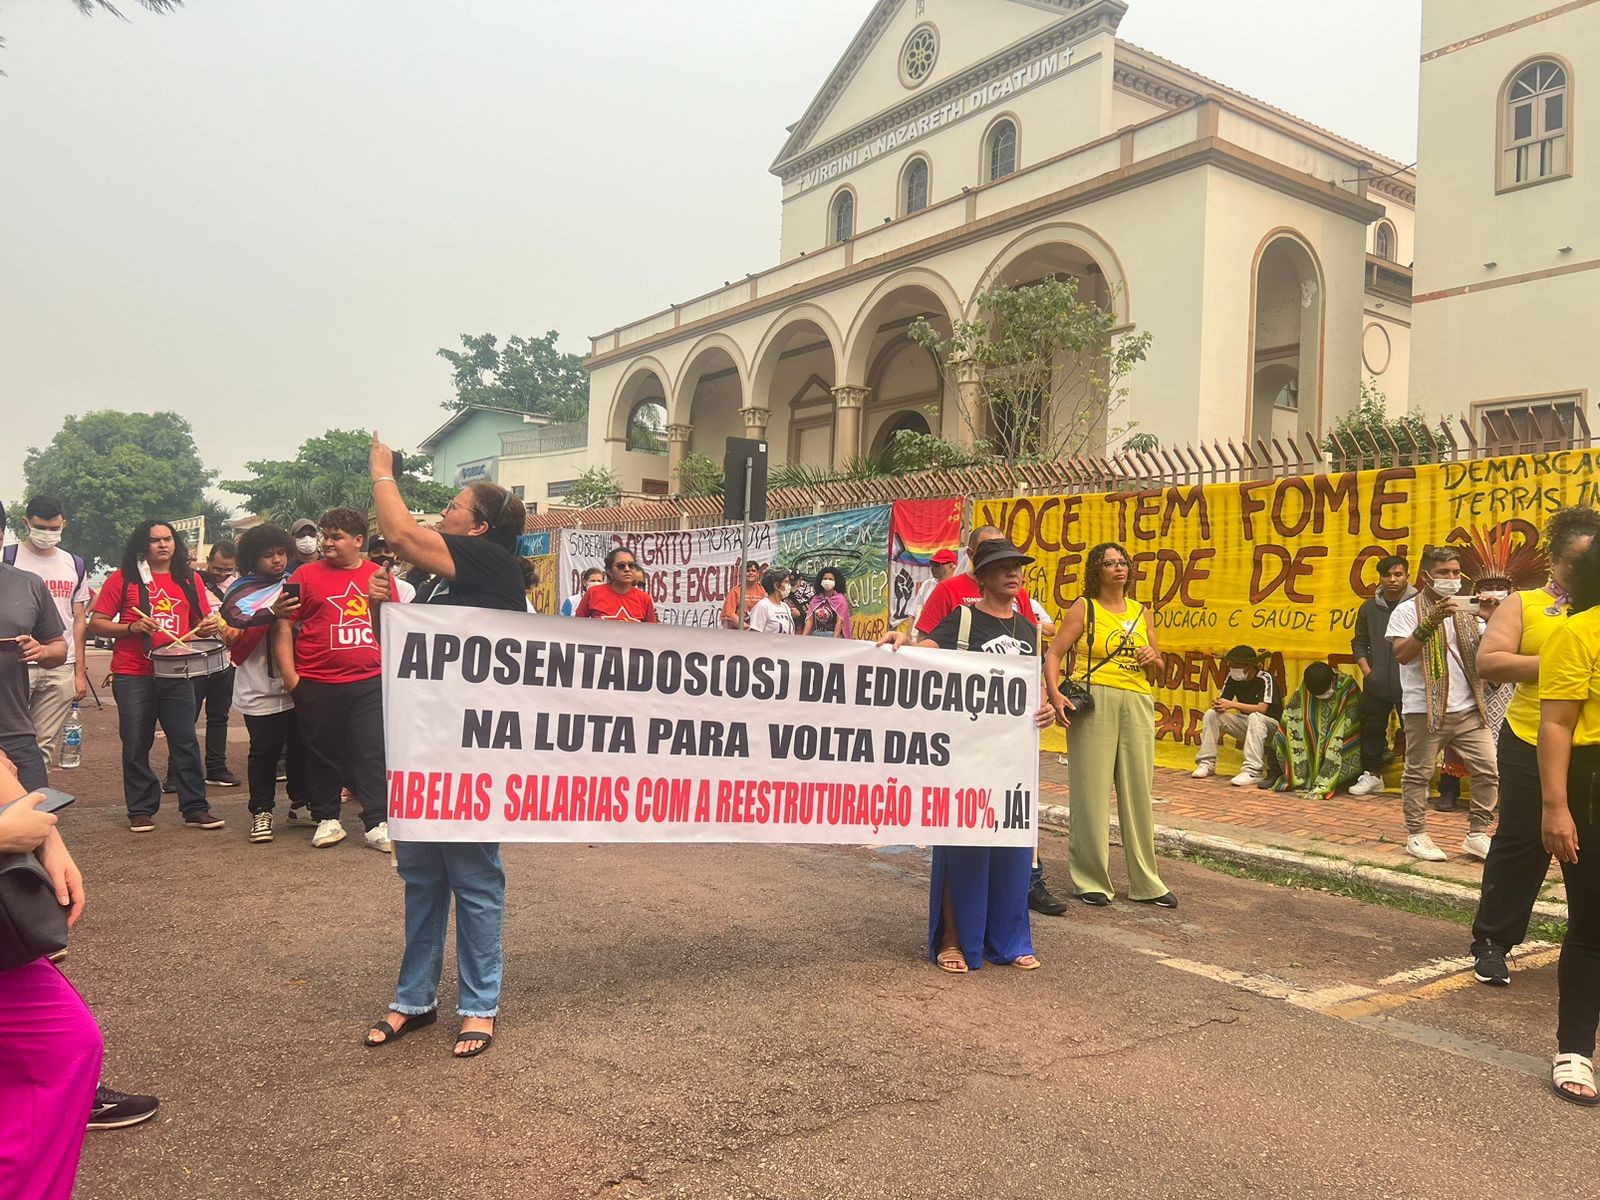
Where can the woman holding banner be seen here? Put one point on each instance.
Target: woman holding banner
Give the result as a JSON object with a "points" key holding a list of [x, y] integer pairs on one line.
{"points": [[1112, 639], [978, 895], [472, 556]]}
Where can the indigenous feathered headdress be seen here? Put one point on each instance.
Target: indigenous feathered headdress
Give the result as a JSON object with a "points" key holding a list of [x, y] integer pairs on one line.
{"points": [[1509, 550]]}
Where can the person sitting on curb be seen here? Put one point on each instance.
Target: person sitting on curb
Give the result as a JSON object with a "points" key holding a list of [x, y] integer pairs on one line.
{"points": [[1317, 744], [1248, 708]]}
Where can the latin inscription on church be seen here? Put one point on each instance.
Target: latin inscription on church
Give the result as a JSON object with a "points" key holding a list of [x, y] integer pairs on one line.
{"points": [[963, 106]]}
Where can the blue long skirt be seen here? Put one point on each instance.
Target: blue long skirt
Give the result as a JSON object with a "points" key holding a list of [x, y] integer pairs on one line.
{"points": [[989, 895]]}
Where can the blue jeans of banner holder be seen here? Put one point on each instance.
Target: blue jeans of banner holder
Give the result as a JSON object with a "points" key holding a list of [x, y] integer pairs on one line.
{"points": [[433, 872]]}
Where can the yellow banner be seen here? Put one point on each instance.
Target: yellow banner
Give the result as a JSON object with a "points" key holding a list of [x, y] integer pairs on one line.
{"points": [[543, 594], [1281, 565]]}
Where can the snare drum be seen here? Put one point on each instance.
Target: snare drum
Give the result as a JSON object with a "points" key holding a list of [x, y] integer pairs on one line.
{"points": [[190, 660]]}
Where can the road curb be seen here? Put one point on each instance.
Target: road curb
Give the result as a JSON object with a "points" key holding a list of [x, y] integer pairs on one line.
{"points": [[1392, 883]]}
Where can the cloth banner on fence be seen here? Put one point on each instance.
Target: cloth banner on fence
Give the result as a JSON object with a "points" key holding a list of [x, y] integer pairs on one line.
{"points": [[513, 727], [543, 593], [1282, 565], [534, 545], [690, 572], [917, 529]]}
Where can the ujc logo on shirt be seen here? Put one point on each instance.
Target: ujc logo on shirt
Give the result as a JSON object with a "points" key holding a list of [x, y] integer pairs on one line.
{"points": [[164, 609], [353, 629]]}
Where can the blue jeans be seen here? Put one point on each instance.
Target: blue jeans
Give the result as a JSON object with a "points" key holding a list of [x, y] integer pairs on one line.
{"points": [[432, 872], [142, 700]]}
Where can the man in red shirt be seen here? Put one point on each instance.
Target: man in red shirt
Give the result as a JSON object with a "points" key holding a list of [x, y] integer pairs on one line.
{"points": [[329, 661], [149, 602], [618, 599], [963, 588]]}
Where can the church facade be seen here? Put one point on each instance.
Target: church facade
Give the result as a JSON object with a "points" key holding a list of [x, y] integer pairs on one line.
{"points": [[963, 143]]}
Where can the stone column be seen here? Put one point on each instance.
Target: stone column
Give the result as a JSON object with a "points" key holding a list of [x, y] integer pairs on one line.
{"points": [[677, 450], [756, 420], [848, 402], [969, 402]]}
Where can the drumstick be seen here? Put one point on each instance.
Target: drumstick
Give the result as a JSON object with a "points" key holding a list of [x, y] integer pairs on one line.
{"points": [[176, 641]]}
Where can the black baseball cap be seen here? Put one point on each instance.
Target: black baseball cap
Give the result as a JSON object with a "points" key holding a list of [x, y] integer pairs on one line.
{"points": [[998, 550]]}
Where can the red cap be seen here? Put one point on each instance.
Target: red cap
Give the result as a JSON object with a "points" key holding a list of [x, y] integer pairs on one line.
{"points": [[943, 556]]}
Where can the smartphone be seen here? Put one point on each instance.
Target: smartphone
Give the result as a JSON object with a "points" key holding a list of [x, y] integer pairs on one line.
{"points": [[10, 645], [1464, 603], [291, 591], [54, 801], [397, 463]]}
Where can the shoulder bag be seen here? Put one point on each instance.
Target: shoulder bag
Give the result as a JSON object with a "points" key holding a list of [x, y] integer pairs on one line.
{"points": [[1078, 694], [32, 924]]}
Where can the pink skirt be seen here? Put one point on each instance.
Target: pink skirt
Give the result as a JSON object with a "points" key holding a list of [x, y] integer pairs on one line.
{"points": [[50, 1051]]}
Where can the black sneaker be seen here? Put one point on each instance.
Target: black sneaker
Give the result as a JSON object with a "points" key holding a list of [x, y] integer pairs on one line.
{"points": [[1444, 804], [1489, 966], [1095, 899], [223, 778], [1042, 900], [118, 1110], [1167, 900], [168, 788], [204, 819]]}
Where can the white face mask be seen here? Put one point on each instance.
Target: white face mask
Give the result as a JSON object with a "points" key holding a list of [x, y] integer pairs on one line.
{"points": [[827, 584], [1445, 587], [1496, 596], [1238, 673], [44, 539], [306, 545], [1327, 695]]}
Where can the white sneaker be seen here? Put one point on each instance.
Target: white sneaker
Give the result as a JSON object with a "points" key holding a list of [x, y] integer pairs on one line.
{"points": [[1476, 845], [1366, 785], [328, 833], [1203, 771], [1245, 779], [1420, 845], [378, 837]]}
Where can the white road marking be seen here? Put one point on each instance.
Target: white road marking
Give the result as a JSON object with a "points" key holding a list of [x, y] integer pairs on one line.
{"points": [[1449, 966]]}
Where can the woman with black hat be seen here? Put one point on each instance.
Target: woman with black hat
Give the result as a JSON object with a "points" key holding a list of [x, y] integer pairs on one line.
{"points": [[1113, 641], [978, 895]]}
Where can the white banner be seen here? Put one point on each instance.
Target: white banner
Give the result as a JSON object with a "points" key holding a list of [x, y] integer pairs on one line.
{"points": [[688, 573], [513, 727]]}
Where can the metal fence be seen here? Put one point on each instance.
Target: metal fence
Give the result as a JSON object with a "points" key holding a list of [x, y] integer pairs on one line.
{"points": [[544, 440], [1525, 431]]}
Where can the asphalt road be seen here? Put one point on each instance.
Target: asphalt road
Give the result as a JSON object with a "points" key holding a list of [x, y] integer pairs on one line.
{"points": [[714, 1021]]}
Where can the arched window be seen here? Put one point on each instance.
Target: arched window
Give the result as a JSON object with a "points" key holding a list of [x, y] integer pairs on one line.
{"points": [[647, 427], [842, 226], [1536, 124], [1383, 241], [1001, 155], [914, 187]]}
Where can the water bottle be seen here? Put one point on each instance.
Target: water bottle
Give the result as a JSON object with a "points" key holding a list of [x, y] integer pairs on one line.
{"points": [[72, 738]]}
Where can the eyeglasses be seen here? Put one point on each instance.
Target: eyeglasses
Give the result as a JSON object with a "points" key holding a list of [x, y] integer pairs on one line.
{"points": [[1113, 564]]}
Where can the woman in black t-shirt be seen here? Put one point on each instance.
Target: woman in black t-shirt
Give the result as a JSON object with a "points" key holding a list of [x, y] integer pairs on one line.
{"points": [[978, 895], [472, 556]]}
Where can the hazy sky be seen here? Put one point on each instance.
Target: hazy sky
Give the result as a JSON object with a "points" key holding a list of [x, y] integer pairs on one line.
{"points": [[268, 214]]}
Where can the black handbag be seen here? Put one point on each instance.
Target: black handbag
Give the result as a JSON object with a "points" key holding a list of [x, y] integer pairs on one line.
{"points": [[32, 924]]}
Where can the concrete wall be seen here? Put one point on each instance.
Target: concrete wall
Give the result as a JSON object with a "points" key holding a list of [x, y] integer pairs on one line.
{"points": [[1522, 327], [476, 437]]}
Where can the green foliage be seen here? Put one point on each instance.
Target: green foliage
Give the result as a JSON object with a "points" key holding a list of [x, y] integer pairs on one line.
{"points": [[1142, 443], [909, 452], [1049, 366], [216, 516], [329, 471], [597, 487], [647, 429], [700, 475], [112, 470], [1367, 437], [526, 375]]}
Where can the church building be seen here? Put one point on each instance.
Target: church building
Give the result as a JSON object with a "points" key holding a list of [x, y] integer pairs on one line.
{"points": [[961, 143]]}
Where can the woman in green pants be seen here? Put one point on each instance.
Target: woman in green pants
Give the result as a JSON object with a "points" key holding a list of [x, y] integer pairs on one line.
{"points": [[1112, 640]]}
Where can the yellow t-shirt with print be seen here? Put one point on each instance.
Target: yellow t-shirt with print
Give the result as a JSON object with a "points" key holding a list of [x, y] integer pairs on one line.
{"points": [[1110, 652], [1569, 669], [1541, 617]]}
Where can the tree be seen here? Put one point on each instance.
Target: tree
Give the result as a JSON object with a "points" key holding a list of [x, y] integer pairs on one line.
{"points": [[597, 487], [1367, 437], [526, 375], [88, 7], [329, 471], [700, 475], [112, 470], [1049, 368]]}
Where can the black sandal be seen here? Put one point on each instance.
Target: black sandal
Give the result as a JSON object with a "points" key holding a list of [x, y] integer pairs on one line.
{"points": [[391, 1034], [484, 1040]]}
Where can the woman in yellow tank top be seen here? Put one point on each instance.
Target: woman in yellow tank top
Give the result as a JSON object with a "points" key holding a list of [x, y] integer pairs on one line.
{"points": [[1112, 641], [1509, 653]]}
